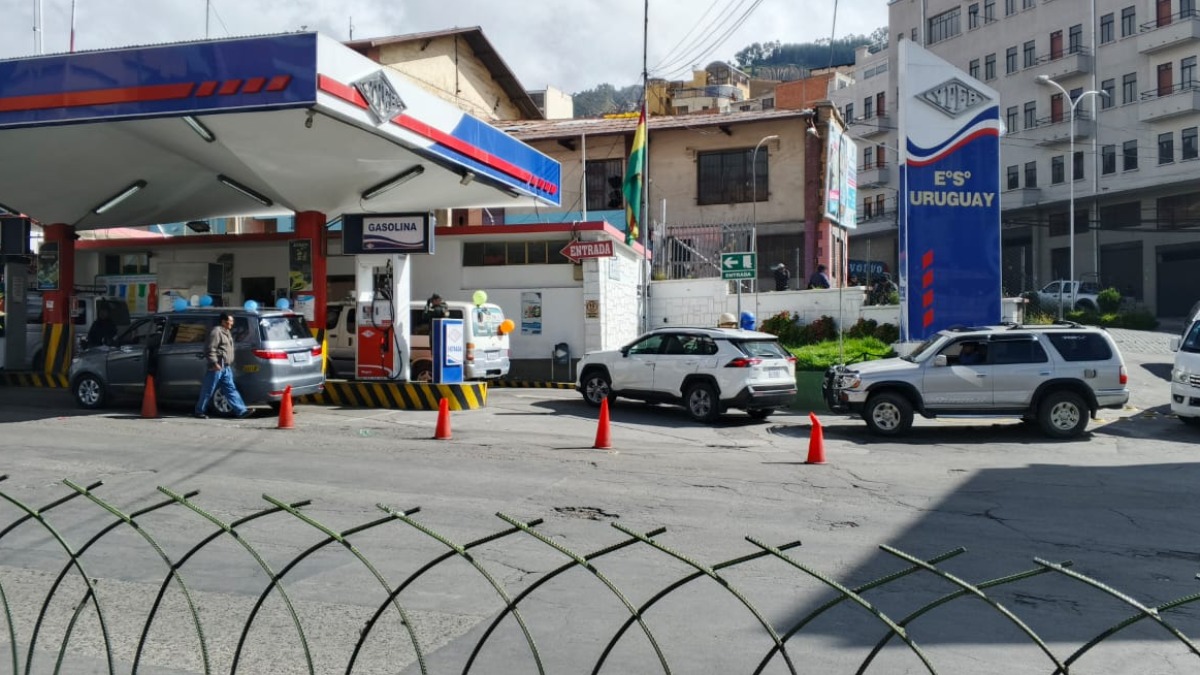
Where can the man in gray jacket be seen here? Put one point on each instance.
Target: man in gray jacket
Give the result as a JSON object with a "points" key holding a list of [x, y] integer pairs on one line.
{"points": [[218, 354]]}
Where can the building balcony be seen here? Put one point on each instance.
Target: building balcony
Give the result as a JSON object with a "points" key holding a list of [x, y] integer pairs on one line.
{"points": [[1064, 64], [867, 127], [877, 174], [1174, 30], [1057, 131], [1020, 198], [1158, 104]]}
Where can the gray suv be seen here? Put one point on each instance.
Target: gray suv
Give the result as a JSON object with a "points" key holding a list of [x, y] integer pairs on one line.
{"points": [[1055, 375], [274, 349]]}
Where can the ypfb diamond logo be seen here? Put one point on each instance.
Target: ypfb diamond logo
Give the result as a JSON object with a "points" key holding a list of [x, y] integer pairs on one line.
{"points": [[382, 98], [953, 97]]}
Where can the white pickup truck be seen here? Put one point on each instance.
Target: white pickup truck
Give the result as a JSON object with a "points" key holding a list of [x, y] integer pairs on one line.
{"points": [[1081, 295]]}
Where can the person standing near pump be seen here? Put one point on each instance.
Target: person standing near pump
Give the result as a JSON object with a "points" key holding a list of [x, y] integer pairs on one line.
{"points": [[782, 276], [819, 279], [435, 308], [219, 354]]}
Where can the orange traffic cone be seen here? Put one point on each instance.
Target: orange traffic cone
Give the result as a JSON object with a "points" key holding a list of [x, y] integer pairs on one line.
{"points": [[285, 409], [149, 399], [603, 441], [442, 432], [816, 442]]}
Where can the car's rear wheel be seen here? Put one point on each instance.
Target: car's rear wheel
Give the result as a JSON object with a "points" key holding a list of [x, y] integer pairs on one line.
{"points": [[597, 387], [90, 392], [888, 414], [761, 413], [702, 402], [1063, 414]]}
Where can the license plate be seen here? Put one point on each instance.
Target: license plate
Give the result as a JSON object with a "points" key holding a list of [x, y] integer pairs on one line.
{"points": [[776, 372], [301, 357]]}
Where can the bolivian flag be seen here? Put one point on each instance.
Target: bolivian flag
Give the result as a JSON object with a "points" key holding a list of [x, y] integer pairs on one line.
{"points": [[633, 180]]}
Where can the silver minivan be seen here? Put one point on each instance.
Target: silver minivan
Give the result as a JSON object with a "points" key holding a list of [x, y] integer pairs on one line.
{"points": [[274, 349]]}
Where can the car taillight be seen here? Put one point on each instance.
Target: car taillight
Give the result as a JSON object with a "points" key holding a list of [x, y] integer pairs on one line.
{"points": [[792, 360], [470, 351], [316, 351], [1124, 376], [743, 363], [270, 355]]}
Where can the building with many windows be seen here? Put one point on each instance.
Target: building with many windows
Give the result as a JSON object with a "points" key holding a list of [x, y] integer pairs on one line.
{"points": [[1128, 71]]}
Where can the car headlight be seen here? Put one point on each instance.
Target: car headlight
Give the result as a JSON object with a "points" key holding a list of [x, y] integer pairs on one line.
{"points": [[1181, 375], [848, 380]]}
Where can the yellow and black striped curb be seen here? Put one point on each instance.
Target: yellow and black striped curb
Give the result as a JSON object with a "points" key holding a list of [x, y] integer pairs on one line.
{"points": [[34, 380], [400, 395], [531, 384]]}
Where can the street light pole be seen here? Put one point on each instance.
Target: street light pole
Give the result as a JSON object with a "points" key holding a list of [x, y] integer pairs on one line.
{"points": [[754, 218], [1045, 79]]}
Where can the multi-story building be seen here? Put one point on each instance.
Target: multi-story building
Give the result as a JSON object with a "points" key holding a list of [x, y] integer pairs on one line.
{"points": [[1128, 68]]}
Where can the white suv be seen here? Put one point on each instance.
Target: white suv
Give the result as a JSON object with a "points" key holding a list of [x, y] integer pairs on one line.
{"points": [[1057, 375], [707, 370]]}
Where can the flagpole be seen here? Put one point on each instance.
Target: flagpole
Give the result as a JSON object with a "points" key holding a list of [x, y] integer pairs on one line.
{"points": [[643, 265], [72, 26]]}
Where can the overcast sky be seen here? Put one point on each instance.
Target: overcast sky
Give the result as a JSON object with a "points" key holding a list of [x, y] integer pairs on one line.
{"points": [[570, 44]]}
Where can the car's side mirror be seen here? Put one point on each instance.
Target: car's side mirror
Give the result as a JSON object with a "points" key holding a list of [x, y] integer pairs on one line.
{"points": [[624, 351], [1174, 345], [939, 360]]}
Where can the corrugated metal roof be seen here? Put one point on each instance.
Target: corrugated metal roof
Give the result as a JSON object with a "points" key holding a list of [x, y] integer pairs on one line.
{"points": [[531, 130]]}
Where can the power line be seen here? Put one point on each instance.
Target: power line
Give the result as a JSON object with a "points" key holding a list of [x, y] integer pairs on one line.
{"points": [[718, 40], [671, 52]]}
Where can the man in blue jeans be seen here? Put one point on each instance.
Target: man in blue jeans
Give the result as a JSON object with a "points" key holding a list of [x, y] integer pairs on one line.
{"points": [[218, 353]]}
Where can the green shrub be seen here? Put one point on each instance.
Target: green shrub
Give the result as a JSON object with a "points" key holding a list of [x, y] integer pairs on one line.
{"points": [[1137, 320], [863, 328], [824, 328], [888, 333], [785, 326], [1109, 301], [821, 355]]}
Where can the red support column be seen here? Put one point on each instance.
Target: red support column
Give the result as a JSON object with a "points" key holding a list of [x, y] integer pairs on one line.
{"points": [[56, 303], [57, 337], [310, 225]]}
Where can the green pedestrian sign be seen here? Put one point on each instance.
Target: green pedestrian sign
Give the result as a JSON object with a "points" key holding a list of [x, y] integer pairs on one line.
{"points": [[739, 265]]}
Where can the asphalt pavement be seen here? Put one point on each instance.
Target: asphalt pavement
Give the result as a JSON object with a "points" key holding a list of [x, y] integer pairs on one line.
{"points": [[1119, 503]]}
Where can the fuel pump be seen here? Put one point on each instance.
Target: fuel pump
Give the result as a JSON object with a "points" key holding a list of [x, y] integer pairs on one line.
{"points": [[383, 285]]}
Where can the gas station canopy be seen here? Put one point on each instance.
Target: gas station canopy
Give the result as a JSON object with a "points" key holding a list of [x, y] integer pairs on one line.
{"points": [[249, 126]]}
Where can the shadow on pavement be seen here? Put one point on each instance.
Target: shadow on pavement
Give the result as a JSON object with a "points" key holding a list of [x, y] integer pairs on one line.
{"points": [[1160, 370]]}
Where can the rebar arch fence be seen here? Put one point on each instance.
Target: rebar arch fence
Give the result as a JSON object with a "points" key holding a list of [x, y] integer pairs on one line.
{"points": [[63, 614]]}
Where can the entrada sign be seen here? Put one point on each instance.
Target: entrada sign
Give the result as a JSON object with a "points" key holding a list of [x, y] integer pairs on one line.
{"points": [[578, 250]]}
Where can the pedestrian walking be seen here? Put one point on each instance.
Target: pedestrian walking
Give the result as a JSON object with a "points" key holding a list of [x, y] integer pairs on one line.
{"points": [[219, 355]]}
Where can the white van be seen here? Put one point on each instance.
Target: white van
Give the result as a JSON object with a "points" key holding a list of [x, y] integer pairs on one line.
{"points": [[1185, 376], [85, 308], [487, 348]]}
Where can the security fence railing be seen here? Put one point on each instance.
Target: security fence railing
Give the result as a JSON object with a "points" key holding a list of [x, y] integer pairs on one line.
{"points": [[69, 617]]}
